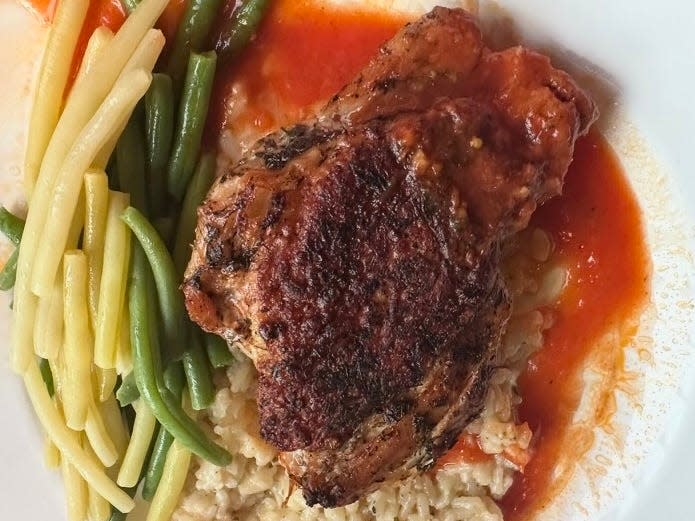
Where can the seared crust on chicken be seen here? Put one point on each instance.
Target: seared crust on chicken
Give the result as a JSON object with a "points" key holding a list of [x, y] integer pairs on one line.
{"points": [[355, 257]]}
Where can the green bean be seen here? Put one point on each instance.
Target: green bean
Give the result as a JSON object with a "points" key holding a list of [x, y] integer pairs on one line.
{"points": [[193, 111], [159, 117], [130, 161], [165, 228], [47, 376], [128, 391], [112, 173], [218, 351], [162, 444], [197, 190], [182, 417], [8, 275], [174, 380], [240, 29], [128, 414], [192, 34], [195, 365], [11, 226], [148, 373], [117, 515], [171, 304], [130, 5]]}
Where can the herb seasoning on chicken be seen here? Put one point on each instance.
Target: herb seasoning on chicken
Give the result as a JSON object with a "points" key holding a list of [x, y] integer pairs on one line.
{"points": [[355, 257]]}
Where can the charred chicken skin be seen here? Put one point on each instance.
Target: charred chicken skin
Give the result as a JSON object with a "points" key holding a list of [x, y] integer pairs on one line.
{"points": [[355, 258]]}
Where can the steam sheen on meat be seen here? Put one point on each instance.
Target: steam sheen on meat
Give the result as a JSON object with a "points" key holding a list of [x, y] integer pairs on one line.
{"points": [[355, 257]]}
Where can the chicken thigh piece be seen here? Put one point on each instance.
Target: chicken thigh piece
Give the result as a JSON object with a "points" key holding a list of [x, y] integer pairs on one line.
{"points": [[355, 257]]}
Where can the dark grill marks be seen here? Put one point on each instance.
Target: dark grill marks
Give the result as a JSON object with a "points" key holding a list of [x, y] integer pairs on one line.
{"points": [[279, 149]]}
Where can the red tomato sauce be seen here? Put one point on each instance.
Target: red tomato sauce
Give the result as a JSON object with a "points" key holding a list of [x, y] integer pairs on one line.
{"points": [[302, 54], [597, 230]]}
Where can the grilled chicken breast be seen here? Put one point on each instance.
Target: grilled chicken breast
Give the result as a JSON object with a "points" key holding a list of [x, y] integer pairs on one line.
{"points": [[355, 257]]}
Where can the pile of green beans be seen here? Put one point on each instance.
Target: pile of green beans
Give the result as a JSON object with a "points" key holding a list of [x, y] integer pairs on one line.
{"points": [[160, 160], [168, 350], [12, 227]]}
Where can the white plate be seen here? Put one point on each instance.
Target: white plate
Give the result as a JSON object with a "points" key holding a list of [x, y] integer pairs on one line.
{"points": [[643, 53]]}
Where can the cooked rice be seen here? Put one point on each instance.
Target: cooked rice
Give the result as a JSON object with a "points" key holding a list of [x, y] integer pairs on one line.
{"points": [[256, 487]]}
